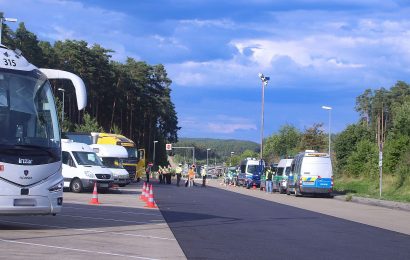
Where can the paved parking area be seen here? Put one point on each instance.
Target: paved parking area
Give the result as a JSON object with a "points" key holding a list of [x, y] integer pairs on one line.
{"points": [[386, 218], [120, 227]]}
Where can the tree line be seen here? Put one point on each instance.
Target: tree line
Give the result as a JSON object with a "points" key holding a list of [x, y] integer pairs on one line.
{"points": [[384, 126], [132, 98]]}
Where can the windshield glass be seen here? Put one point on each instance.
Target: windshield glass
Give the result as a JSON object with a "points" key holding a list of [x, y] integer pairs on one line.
{"points": [[27, 114], [253, 169], [87, 158], [132, 152], [110, 162]]}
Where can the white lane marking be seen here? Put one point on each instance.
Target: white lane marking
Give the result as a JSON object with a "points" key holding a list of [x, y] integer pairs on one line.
{"points": [[107, 210], [76, 249], [110, 219], [89, 230]]}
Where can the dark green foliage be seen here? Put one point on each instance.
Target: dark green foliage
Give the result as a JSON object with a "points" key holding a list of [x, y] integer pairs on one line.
{"points": [[346, 142], [314, 138], [364, 160], [283, 144]]}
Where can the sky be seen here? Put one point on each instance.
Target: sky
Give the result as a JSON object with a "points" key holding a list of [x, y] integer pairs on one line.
{"points": [[316, 53]]}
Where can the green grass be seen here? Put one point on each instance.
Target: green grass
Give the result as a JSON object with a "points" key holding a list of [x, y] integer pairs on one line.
{"points": [[394, 188]]}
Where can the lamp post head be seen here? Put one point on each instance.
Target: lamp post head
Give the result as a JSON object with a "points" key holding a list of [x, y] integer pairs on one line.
{"points": [[61, 89], [327, 107], [208, 149], [155, 142], [264, 78]]}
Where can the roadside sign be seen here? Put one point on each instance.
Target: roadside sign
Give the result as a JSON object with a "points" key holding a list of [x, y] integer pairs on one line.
{"points": [[168, 147]]}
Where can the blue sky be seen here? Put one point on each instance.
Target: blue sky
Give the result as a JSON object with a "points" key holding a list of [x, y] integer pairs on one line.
{"points": [[316, 52]]}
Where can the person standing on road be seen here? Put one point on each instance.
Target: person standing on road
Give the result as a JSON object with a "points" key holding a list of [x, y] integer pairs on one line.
{"points": [[148, 171], [160, 174], [203, 174], [191, 176], [169, 171], [269, 175], [178, 172]]}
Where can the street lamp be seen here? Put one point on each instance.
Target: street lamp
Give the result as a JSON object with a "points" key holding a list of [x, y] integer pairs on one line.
{"points": [[264, 80], [330, 109], [4, 19], [153, 155], [207, 150], [62, 111], [230, 161]]}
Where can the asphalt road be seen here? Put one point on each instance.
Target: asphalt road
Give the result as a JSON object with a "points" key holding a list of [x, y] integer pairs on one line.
{"points": [[211, 223]]}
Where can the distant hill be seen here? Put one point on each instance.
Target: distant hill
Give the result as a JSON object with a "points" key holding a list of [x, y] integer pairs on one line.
{"points": [[220, 148]]}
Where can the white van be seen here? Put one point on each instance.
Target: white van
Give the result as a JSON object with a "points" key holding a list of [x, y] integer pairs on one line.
{"points": [[82, 168], [280, 177], [250, 172], [311, 172], [112, 157]]}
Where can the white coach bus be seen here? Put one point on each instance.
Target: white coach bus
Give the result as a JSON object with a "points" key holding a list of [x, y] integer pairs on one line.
{"points": [[31, 182]]}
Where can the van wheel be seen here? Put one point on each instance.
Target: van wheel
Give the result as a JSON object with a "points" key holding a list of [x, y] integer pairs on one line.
{"points": [[297, 193], [76, 186]]}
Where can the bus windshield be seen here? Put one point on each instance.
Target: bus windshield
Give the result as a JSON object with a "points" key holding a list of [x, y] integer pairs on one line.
{"points": [[27, 113]]}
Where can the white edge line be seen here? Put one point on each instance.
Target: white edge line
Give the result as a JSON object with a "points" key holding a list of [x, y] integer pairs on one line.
{"points": [[75, 249], [90, 230]]}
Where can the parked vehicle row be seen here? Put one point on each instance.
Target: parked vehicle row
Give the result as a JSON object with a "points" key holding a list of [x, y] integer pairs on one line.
{"points": [[85, 165], [310, 172]]}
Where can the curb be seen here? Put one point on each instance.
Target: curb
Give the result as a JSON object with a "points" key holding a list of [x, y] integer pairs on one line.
{"points": [[376, 202]]}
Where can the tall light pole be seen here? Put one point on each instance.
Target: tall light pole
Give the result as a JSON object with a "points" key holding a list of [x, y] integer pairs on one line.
{"points": [[4, 19], [153, 154], [62, 111], [329, 109], [264, 80], [207, 150]]}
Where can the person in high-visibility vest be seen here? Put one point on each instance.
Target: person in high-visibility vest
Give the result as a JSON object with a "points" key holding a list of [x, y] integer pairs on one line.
{"points": [[191, 176], [178, 172]]}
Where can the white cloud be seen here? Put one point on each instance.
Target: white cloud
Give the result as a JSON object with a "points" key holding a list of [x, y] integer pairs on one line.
{"points": [[228, 128]]}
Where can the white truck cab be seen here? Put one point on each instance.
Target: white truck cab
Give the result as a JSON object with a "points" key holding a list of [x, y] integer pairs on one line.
{"points": [[82, 168], [112, 157]]}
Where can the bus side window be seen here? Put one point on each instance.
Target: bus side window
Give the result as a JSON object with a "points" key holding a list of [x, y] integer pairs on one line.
{"points": [[67, 159]]}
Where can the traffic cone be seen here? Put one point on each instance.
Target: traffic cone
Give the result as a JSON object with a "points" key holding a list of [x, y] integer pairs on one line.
{"points": [[254, 186], [142, 196], [150, 202], [94, 199], [146, 194]]}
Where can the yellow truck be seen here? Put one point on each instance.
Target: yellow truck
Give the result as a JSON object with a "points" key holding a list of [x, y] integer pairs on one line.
{"points": [[135, 164]]}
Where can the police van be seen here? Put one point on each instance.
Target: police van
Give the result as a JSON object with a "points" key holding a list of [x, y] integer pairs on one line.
{"points": [[311, 173], [250, 172], [82, 168], [280, 177]]}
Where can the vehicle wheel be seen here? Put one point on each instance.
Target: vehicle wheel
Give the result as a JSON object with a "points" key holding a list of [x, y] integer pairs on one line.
{"points": [[76, 186], [297, 193], [280, 190], [287, 191]]}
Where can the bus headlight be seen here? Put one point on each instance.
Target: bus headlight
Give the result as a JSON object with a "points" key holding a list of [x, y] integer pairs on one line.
{"points": [[57, 187], [89, 174]]}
